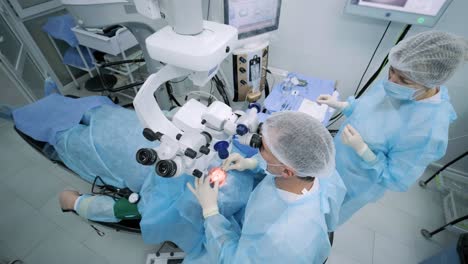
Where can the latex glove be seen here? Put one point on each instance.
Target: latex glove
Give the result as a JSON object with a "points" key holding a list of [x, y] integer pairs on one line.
{"points": [[352, 138], [331, 101], [206, 195], [236, 162]]}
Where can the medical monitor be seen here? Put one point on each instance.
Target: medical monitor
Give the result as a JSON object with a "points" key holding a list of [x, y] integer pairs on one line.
{"points": [[252, 17], [416, 12]]}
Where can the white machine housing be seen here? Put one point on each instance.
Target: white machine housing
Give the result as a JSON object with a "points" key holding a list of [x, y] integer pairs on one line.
{"points": [[200, 53]]}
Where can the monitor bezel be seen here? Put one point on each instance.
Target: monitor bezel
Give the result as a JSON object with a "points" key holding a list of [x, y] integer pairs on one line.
{"points": [[395, 15], [256, 32]]}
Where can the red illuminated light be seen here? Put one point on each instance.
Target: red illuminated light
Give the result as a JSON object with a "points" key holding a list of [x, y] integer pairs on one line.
{"points": [[217, 174]]}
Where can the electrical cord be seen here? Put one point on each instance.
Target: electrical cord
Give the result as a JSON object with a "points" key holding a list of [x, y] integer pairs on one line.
{"points": [[220, 88], [114, 63], [109, 190], [376, 73], [125, 87], [372, 57], [170, 93], [340, 114], [159, 249], [384, 63], [211, 92], [267, 88], [267, 85]]}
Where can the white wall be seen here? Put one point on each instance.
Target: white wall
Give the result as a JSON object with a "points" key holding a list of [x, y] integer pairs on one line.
{"points": [[315, 38]]}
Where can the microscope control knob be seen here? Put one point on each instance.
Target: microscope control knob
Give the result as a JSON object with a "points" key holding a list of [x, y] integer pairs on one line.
{"points": [[190, 153], [205, 150], [197, 173], [149, 134], [242, 129]]}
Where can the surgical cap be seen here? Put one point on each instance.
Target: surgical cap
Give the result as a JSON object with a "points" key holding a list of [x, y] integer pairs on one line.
{"points": [[429, 58], [301, 142]]}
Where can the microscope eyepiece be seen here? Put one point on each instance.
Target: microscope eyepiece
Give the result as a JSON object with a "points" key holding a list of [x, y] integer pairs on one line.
{"points": [[166, 168], [146, 156]]}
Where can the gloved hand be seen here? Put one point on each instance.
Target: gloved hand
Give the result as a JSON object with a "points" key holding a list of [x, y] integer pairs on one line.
{"points": [[352, 138], [236, 162], [206, 196], [332, 102]]}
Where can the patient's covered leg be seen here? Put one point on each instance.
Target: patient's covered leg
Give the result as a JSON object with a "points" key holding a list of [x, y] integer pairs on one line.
{"points": [[99, 208], [105, 143], [43, 119]]}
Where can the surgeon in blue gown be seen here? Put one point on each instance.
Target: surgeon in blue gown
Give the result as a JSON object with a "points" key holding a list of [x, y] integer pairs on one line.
{"points": [[397, 128], [291, 211]]}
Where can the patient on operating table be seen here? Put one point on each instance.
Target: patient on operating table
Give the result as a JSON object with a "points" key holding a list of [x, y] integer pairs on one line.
{"points": [[103, 142]]}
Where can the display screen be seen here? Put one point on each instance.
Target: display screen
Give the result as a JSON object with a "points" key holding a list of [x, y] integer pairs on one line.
{"points": [[423, 7], [252, 17]]}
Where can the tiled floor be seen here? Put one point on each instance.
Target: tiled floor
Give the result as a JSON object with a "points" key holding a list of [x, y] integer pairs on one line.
{"points": [[33, 228]]}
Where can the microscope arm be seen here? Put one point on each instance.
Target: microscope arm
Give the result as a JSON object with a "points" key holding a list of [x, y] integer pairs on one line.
{"points": [[148, 111]]}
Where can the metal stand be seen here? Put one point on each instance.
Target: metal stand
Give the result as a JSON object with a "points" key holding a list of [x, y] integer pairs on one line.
{"points": [[88, 68], [423, 184], [427, 234]]}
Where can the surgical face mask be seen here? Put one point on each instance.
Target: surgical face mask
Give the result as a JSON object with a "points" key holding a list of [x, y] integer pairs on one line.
{"points": [[401, 92], [264, 166]]}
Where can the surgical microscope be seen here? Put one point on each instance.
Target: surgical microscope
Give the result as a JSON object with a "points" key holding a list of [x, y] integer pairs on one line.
{"points": [[172, 33]]}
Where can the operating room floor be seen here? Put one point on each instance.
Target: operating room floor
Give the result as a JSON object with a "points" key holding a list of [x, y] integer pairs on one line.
{"points": [[33, 228]]}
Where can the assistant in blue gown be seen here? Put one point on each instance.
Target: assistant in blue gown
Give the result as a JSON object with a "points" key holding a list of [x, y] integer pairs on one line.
{"points": [[401, 125], [406, 136]]}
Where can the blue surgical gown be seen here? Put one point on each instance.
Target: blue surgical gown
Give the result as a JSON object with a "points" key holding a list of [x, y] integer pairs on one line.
{"points": [[275, 230], [406, 137]]}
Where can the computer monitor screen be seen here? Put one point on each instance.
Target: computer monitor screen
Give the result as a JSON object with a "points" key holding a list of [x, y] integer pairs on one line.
{"points": [[252, 17], [417, 12], [423, 7]]}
